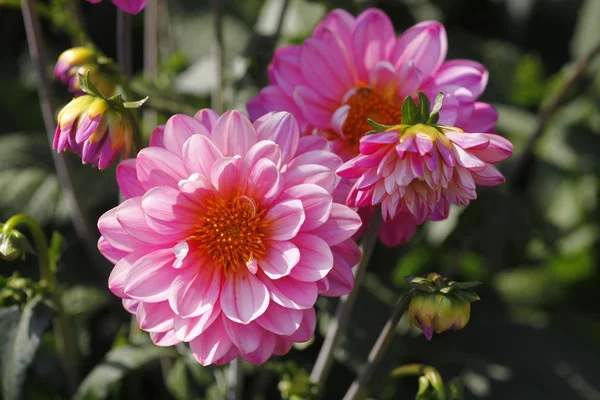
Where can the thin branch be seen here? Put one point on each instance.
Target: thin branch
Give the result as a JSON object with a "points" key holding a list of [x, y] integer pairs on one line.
{"points": [[124, 42], [521, 172], [282, 13], [151, 52], [359, 387], [217, 100], [340, 321], [84, 229], [234, 380]]}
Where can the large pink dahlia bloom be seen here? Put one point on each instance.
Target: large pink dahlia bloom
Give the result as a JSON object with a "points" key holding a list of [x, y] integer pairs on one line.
{"points": [[228, 234], [352, 69], [422, 169]]}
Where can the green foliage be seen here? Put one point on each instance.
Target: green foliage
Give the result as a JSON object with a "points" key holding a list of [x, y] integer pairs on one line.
{"points": [[21, 335]]}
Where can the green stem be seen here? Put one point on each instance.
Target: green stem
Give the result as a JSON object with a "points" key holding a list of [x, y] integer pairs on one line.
{"points": [[63, 330], [360, 386]]}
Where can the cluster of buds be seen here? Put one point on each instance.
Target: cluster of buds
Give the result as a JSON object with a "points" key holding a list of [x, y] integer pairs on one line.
{"points": [[97, 128], [16, 289], [439, 304], [82, 60], [13, 244]]}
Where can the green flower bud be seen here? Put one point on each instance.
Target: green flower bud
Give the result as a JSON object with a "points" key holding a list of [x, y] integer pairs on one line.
{"points": [[440, 305], [13, 244]]}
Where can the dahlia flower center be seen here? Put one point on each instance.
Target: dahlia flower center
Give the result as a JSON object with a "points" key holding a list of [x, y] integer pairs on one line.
{"points": [[367, 103], [230, 232]]}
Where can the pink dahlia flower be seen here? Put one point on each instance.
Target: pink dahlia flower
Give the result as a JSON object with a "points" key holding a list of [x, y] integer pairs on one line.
{"points": [[421, 169], [228, 234], [352, 69], [129, 6]]}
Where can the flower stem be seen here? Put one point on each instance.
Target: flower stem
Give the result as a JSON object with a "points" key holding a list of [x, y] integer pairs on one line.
{"points": [[359, 388], [524, 165], [124, 42], [63, 330], [217, 98], [151, 53], [83, 227], [234, 380], [340, 321]]}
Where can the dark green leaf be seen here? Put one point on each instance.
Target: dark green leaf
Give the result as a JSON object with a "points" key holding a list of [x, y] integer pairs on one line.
{"points": [[464, 285], [424, 107], [377, 126], [117, 364], [410, 115], [466, 295], [21, 333]]}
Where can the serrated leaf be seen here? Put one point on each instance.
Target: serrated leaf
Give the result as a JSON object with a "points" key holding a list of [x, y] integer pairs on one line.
{"points": [[21, 336], [424, 107], [117, 364], [410, 113]]}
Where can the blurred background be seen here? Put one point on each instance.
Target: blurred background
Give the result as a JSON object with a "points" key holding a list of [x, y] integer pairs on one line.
{"points": [[534, 241]]}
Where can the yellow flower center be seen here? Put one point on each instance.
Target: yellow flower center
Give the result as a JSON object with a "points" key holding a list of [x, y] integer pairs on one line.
{"points": [[230, 232], [367, 103]]}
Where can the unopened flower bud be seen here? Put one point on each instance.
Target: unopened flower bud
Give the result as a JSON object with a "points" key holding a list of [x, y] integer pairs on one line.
{"points": [[80, 60], [440, 305], [13, 244], [97, 129]]}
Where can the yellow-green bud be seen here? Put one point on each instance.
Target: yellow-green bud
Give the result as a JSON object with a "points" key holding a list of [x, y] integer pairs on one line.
{"points": [[13, 244]]}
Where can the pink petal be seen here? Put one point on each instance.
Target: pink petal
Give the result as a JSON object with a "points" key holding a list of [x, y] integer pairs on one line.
{"points": [[196, 289], [264, 351], [285, 71], [282, 347], [373, 38], [213, 344], [340, 279], [243, 297], [207, 117], [470, 141], [284, 220], [169, 211], [179, 129], [228, 176], [425, 44], [273, 98], [233, 133], [282, 128], [263, 149], [245, 337], [109, 251], [465, 73], [280, 320], [150, 277], [482, 119], [409, 79], [115, 235], [127, 179], [490, 176], [316, 259], [326, 67], [264, 183], [199, 155], [316, 202], [130, 305], [159, 167], [156, 137], [155, 317], [307, 327], [118, 275], [499, 149], [468, 160], [311, 143], [164, 339], [318, 110], [369, 144], [398, 230], [339, 22], [131, 6], [383, 78], [319, 175], [289, 292], [342, 224], [339, 118], [187, 329], [133, 220], [281, 257]]}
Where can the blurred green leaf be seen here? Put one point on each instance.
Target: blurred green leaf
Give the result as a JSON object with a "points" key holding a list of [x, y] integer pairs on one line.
{"points": [[80, 300], [587, 30], [528, 81], [21, 333], [117, 364]]}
